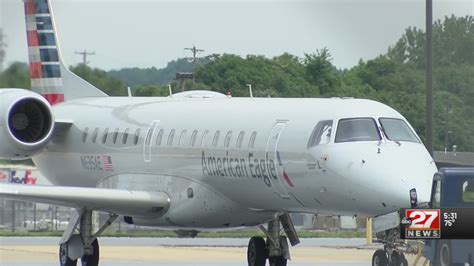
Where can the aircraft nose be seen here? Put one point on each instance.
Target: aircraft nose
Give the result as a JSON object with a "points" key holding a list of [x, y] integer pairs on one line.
{"points": [[411, 168], [379, 178], [418, 176]]}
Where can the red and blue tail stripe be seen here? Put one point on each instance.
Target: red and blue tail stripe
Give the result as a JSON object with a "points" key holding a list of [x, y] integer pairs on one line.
{"points": [[45, 68]]}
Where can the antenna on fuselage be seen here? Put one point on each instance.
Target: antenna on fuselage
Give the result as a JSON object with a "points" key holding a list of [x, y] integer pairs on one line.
{"points": [[129, 92], [250, 90], [170, 90]]}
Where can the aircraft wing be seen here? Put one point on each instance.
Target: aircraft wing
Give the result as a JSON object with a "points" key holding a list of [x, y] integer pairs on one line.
{"points": [[118, 201]]}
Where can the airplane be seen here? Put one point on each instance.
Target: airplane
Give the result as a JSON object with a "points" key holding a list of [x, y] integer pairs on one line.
{"points": [[200, 160]]}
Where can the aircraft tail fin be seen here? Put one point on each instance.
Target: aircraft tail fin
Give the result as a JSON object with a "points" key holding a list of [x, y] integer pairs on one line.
{"points": [[49, 75]]}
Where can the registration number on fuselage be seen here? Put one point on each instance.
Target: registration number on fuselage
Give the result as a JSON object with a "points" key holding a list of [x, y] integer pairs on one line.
{"points": [[92, 162]]}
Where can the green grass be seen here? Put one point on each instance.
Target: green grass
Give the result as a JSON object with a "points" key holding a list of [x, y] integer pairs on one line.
{"points": [[468, 196], [14, 162], [220, 234], [5, 233]]}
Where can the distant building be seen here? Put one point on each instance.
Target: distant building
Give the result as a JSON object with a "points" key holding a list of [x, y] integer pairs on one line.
{"points": [[453, 159]]}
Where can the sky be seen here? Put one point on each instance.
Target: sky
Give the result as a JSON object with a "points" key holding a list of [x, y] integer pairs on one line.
{"points": [[147, 33]]}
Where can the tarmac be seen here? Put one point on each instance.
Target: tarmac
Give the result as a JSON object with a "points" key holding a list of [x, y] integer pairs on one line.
{"points": [[43, 251]]}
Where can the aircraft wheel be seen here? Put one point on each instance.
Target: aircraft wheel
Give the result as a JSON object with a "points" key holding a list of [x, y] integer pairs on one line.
{"points": [[399, 259], [64, 260], [93, 259], [379, 258], [257, 252], [278, 261], [443, 254]]}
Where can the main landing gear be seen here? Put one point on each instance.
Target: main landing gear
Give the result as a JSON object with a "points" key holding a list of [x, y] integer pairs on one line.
{"points": [[275, 248], [82, 245]]}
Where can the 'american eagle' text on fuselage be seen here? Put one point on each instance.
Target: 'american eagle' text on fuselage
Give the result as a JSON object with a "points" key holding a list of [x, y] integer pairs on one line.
{"points": [[229, 166]]}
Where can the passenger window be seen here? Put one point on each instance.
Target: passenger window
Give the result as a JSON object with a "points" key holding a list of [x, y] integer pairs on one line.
{"points": [[240, 139], [397, 130], [125, 136], [357, 129], [227, 139], [252, 139], [468, 191], [104, 135], [84, 135], [94, 135], [116, 132], [181, 138], [171, 137], [192, 140], [137, 136], [159, 137], [203, 139], [216, 138], [321, 134]]}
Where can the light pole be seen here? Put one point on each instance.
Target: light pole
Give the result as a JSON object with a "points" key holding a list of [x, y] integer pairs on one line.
{"points": [[446, 134], [446, 131], [429, 77]]}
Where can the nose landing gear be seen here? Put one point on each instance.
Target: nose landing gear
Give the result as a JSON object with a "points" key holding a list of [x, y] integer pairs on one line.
{"points": [[276, 248], [394, 248], [379, 258], [382, 258]]}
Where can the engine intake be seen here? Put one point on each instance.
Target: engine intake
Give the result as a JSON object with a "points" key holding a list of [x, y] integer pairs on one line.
{"points": [[26, 123], [29, 120]]}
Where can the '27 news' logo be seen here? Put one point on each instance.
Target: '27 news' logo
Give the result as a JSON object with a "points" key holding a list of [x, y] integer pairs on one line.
{"points": [[422, 223]]}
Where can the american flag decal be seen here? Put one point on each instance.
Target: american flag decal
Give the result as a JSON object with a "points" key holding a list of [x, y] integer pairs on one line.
{"points": [[107, 163]]}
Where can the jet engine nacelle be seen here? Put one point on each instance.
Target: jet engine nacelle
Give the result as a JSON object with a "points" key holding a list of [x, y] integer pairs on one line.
{"points": [[26, 123]]}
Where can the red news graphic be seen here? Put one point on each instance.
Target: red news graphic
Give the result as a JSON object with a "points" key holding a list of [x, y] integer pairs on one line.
{"points": [[422, 223], [443, 223]]}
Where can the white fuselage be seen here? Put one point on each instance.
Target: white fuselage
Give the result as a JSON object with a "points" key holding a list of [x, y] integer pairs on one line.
{"points": [[229, 181]]}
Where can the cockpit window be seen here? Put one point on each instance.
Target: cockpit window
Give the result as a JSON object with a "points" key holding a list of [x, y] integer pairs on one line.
{"points": [[357, 129], [397, 130], [321, 134]]}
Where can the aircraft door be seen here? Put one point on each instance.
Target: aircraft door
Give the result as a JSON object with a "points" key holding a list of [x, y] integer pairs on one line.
{"points": [[149, 141], [272, 157]]}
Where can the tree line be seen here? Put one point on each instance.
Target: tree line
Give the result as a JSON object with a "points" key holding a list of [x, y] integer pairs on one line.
{"points": [[396, 78]]}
